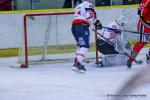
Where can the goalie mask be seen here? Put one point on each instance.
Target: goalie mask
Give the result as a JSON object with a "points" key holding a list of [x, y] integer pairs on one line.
{"points": [[121, 20]]}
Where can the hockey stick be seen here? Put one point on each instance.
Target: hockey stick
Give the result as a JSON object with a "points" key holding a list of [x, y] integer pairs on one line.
{"points": [[104, 38], [124, 30], [125, 53], [136, 61]]}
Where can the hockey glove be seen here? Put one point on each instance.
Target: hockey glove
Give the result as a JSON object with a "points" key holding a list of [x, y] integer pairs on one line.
{"points": [[140, 10], [98, 25]]}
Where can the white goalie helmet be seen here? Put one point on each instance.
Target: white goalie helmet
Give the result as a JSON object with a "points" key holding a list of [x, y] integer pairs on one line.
{"points": [[121, 20]]}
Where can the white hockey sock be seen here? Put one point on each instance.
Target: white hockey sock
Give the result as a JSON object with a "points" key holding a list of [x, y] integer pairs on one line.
{"points": [[80, 55], [78, 50]]}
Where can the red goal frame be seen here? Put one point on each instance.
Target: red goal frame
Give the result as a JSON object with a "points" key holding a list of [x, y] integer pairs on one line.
{"points": [[25, 65]]}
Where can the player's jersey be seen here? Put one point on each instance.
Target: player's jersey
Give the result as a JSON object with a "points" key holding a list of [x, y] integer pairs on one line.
{"points": [[145, 5], [111, 35], [84, 13], [145, 13], [146, 29]]}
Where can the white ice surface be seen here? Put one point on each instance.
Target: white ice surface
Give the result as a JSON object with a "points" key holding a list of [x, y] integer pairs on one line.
{"points": [[59, 82]]}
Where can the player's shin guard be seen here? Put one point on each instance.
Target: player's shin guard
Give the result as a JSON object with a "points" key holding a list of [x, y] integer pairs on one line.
{"points": [[80, 55], [136, 49]]}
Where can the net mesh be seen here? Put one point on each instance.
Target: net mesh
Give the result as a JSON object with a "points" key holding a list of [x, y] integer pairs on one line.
{"points": [[132, 20]]}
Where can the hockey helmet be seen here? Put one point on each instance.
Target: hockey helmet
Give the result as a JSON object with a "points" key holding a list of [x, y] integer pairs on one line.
{"points": [[121, 20]]}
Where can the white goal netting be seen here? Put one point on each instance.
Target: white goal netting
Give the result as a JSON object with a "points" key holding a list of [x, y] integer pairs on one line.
{"points": [[132, 20]]}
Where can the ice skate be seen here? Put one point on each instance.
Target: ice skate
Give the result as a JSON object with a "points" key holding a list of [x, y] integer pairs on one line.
{"points": [[74, 67], [79, 68]]}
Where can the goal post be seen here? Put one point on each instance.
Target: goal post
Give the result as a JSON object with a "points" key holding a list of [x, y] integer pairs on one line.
{"points": [[46, 38]]}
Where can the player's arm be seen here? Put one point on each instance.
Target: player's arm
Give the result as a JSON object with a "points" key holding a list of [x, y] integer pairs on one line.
{"points": [[91, 16], [144, 8], [98, 24], [147, 4]]}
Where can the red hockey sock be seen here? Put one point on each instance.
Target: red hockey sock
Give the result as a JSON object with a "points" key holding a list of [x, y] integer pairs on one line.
{"points": [[136, 49]]}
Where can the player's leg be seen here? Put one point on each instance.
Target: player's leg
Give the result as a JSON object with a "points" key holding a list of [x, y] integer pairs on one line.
{"points": [[136, 49], [83, 42], [81, 34], [75, 34], [80, 56]]}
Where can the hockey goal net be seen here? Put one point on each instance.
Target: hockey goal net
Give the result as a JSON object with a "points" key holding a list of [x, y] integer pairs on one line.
{"points": [[46, 38]]}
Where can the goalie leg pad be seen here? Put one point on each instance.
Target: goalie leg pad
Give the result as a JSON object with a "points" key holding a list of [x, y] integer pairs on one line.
{"points": [[114, 60], [105, 48]]}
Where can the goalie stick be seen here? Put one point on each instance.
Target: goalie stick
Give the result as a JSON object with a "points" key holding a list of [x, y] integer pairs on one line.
{"points": [[125, 53], [124, 30]]}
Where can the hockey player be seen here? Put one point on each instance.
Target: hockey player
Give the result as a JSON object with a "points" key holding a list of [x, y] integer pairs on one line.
{"points": [[143, 28], [84, 16], [111, 41], [113, 37]]}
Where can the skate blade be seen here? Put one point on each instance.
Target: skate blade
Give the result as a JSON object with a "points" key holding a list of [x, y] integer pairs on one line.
{"points": [[74, 68], [79, 71]]}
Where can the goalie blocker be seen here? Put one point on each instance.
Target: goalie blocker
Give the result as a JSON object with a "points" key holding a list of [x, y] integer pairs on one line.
{"points": [[110, 57]]}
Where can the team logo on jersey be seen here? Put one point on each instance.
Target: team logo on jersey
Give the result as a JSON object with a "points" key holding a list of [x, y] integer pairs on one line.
{"points": [[81, 41]]}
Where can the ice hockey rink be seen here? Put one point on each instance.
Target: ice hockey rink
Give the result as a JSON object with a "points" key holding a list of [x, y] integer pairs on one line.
{"points": [[37, 32], [58, 82]]}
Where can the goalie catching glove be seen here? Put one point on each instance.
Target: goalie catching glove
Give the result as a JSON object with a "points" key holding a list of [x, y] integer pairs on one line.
{"points": [[98, 25]]}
